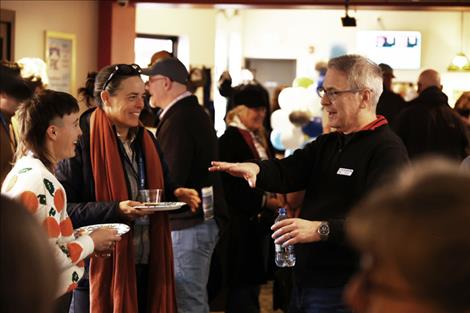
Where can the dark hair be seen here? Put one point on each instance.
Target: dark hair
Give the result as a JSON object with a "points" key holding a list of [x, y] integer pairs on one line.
{"points": [[119, 73], [12, 84], [35, 83], [29, 274], [35, 117], [87, 91]]}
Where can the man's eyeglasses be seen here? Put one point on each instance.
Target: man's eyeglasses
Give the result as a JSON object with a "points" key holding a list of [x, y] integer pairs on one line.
{"points": [[332, 95], [123, 69]]}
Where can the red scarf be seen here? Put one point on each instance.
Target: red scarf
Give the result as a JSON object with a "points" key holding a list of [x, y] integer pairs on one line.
{"points": [[113, 280]]}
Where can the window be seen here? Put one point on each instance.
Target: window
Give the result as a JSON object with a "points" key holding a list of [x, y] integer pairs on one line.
{"points": [[146, 45]]}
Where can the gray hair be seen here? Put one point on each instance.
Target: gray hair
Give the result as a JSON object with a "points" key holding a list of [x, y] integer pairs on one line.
{"points": [[362, 73]]}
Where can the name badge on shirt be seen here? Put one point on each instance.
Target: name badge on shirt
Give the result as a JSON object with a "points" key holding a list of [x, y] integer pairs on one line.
{"points": [[345, 171]]}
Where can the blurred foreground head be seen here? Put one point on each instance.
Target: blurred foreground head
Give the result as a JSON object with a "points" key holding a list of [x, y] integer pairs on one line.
{"points": [[28, 278], [414, 237]]}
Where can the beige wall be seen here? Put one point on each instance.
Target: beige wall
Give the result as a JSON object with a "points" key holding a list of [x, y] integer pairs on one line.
{"points": [[198, 25], [77, 17], [289, 33]]}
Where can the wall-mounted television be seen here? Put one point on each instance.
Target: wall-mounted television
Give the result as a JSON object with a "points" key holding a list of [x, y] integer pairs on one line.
{"points": [[399, 49]]}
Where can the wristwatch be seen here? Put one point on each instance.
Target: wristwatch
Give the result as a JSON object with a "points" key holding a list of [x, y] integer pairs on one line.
{"points": [[323, 230]]}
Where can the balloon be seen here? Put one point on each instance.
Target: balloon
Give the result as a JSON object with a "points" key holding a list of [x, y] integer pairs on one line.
{"points": [[280, 119], [302, 82], [276, 139], [299, 118], [292, 138], [313, 128], [337, 50], [290, 98]]}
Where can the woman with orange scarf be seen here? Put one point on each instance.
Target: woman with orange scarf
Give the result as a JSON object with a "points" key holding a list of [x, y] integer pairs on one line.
{"points": [[115, 158]]}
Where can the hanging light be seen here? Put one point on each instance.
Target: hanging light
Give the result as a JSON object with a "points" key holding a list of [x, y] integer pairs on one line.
{"points": [[460, 62], [347, 21]]}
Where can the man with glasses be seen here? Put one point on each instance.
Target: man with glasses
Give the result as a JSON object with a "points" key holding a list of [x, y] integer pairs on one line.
{"points": [[336, 171], [189, 143]]}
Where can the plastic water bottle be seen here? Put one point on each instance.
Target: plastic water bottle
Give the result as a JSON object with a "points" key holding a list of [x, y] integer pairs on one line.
{"points": [[285, 256]]}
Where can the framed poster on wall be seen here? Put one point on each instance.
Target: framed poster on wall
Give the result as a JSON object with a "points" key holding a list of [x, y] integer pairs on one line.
{"points": [[60, 56]]}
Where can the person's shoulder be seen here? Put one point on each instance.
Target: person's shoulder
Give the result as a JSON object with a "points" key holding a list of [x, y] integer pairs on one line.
{"points": [[385, 136], [27, 174], [230, 132], [185, 108], [189, 113], [231, 136]]}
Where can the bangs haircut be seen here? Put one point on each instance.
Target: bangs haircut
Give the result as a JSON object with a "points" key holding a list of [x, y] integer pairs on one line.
{"points": [[36, 115]]}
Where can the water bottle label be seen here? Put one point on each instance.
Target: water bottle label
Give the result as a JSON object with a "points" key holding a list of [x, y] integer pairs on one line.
{"points": [[208, 202]]}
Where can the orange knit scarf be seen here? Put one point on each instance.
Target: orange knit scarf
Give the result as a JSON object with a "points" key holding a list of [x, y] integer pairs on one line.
{"points": [[113, 280]]}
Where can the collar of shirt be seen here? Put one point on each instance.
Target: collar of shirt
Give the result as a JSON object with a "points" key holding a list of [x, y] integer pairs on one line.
{"points": [[236, 122], [379, 121], [181, 96]]}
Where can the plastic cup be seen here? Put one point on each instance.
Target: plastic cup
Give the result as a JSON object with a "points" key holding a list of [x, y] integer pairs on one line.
{"points": [[150, 195]]}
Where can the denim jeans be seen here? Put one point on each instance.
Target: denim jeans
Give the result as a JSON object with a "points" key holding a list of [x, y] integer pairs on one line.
{"points": [[192, 252], [317, 300]]}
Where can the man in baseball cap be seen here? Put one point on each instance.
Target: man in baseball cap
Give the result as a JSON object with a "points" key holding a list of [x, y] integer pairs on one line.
{"points": [[169, 67], [387, 70], [189, 143]]}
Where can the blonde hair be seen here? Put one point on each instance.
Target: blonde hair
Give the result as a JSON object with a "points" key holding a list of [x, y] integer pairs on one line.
{"points": [[260, 133]]}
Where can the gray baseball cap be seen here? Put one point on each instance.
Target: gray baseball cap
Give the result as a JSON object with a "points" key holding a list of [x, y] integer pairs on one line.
{"points": [[169, 67]]}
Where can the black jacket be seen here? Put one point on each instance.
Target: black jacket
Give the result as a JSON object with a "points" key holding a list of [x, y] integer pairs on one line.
{"points": [[76, 176], [390, 105], [429, 126], [336, 171], [249, 239], [189, 143]]}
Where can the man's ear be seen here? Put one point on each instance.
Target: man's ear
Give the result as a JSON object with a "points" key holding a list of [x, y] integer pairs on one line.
{"points": [[168, 83], [51, 132], [366, 96], [105, 97]]}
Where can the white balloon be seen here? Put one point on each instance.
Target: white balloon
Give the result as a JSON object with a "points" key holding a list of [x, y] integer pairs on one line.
{"points": [[280, 119], [315, 107], [292, 138], [291, 97]]}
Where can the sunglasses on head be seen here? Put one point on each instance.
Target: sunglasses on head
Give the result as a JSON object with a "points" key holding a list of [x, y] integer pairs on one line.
{"points": [[123, 69]]}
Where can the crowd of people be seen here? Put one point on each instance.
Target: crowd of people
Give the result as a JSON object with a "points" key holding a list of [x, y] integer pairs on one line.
{"points": [[383, 196]]}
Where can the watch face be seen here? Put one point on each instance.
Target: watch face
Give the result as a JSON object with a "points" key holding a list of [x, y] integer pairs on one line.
{"points": [[324, 229]]}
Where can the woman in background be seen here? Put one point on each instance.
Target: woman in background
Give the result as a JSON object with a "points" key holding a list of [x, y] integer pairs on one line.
{"points": [[251, 210]]}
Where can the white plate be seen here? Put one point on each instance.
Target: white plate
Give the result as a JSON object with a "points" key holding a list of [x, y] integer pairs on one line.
{"points": [[86, 230], [161, 206]]}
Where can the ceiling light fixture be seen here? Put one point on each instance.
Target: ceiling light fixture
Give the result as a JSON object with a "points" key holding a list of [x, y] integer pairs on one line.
{"points": [[460, 61], [348, 21]]}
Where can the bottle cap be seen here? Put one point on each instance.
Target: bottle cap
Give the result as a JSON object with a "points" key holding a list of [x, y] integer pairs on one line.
{"points": [[282, 211]]}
